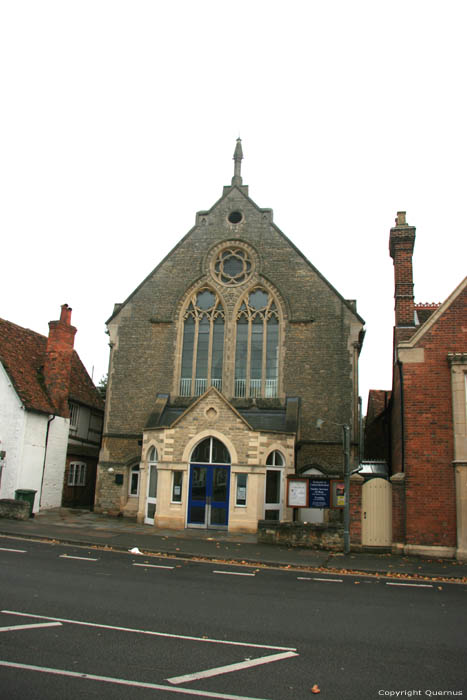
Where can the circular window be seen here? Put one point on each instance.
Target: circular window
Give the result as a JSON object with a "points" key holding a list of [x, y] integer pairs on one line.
{"points": [[232, 266], [235, 217]]}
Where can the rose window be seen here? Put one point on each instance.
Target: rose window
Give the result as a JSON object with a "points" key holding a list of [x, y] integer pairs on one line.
{"points": [[232, 266]]}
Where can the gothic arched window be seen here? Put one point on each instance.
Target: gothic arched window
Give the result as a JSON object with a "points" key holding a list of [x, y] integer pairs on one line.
{"points": [[203, 344], [257, 346]]}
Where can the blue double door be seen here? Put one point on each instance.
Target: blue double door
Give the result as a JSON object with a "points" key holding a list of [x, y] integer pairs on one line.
{"points": [[208, 503]]}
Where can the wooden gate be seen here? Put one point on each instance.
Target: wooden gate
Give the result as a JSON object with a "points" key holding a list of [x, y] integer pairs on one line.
{"points": [[377, 513]]}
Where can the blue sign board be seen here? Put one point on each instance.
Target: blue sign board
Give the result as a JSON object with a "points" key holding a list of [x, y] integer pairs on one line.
{"points": [[319, 493]]}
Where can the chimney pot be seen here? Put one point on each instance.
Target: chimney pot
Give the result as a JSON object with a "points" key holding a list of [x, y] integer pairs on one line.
{"points": [[401, 218]]}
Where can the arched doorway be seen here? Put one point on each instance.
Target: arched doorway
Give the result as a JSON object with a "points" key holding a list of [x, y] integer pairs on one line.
{"points": [[208, 501]]}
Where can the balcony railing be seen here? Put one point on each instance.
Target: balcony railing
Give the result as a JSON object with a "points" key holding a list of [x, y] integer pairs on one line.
{"points": [[199, 386], [185, 387], [270, 388]]}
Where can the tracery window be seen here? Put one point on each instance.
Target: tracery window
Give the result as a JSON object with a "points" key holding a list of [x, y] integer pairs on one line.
{"points": [[257, 346], [232, 266], [203, 344]]}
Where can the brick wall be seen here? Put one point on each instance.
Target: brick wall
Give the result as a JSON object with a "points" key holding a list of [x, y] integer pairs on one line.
{"points": [[428, 430], [356, 484]]}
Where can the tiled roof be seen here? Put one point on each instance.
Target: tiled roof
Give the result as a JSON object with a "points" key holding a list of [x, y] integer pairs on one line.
{"points": [[22, 353], [377, 402]]}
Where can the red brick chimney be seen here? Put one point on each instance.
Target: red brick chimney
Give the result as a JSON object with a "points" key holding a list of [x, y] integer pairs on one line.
{"points": [[401, 244], [57, 366]]}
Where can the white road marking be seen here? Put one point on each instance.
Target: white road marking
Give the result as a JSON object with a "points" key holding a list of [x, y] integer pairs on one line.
{"points": [[30, 627], [70, 556], [20, 551], [176, 680], [327, 580], [233, 573], [123, 681], [150, 632], [416, 585], [154, 566]]}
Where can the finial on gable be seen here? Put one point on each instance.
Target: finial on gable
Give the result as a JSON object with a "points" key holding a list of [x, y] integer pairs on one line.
{"points": [[238, 157]]}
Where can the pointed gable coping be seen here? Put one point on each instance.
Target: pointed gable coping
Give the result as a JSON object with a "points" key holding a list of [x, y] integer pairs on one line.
{"points": [[435, 316], [211, 390], [227, 190]]}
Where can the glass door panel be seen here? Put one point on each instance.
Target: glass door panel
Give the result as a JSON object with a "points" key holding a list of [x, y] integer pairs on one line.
{"points": [[198, 496], [220, 497], [151, 496], [272, 500], [208, 504]]}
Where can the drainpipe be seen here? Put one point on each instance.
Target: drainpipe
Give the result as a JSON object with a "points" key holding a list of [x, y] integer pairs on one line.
{"points": [[401, 383], [50, 419]]}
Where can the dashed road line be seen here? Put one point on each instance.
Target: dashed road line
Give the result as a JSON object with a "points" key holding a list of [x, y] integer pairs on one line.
{"points": [[233, 573], [415, 585], [71, 556], [6, 549], [153, 566], [325, 580], [209, 673]]}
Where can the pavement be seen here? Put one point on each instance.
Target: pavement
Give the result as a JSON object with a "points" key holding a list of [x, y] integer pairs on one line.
{"points": [[88, 529]]}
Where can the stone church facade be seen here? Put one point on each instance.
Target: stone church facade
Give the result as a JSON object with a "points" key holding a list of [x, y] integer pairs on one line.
{"points": [[222, 361]]}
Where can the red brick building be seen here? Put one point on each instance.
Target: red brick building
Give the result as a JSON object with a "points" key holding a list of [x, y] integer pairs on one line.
{"points": [[427, 413]]}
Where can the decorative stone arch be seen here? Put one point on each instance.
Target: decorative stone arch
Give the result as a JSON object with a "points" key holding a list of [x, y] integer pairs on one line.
{"points": [[202, 435]]}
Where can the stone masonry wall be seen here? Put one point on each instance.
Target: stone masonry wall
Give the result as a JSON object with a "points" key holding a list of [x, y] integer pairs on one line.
{"points": [[319, 329]]}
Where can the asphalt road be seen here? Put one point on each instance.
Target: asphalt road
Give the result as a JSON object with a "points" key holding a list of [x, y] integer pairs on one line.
{"points": [[109, 625]]}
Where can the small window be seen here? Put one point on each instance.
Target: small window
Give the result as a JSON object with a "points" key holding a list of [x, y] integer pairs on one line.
{"points": [[74, 413], [275, 459], [133, 488], [77, 474], [240, 499], [177, 481], [235, 217]]}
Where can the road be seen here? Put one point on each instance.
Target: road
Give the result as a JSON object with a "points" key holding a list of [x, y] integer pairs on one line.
{"points": [[90, 623]]}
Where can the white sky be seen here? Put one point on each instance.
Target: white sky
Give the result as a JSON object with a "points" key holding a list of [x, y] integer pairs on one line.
{"points": [[118, 122]]}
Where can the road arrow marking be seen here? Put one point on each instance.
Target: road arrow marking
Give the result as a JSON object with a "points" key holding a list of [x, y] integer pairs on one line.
{"points": [[30, 627], [176, 680]]}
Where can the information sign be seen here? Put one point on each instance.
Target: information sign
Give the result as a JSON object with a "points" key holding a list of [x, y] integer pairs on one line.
{"points": [[319, 493], [297, 493]]}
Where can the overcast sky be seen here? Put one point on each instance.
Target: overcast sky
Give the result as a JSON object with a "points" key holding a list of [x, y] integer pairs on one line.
{"points": [[118, 122]]}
